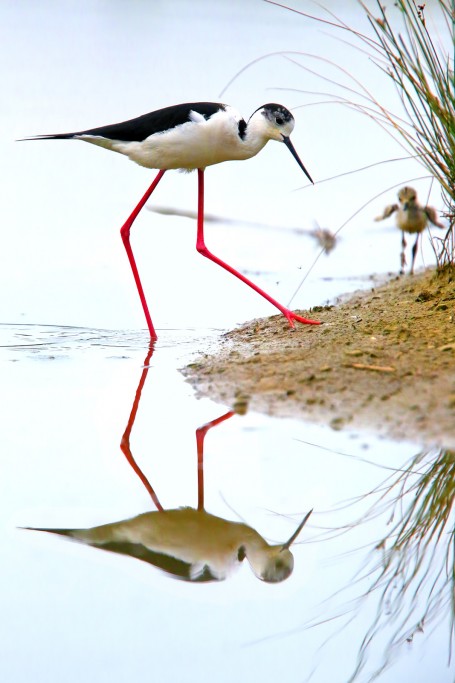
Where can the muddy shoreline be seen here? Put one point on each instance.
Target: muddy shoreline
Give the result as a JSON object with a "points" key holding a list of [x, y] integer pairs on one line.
{"points": [[383, 361]]}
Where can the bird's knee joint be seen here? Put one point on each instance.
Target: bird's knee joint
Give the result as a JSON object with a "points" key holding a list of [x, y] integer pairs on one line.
{"points": [[202, 249]]}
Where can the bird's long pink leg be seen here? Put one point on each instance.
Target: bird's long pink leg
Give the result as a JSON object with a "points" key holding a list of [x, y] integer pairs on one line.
{"points": [[202, 249], [125, 233]]}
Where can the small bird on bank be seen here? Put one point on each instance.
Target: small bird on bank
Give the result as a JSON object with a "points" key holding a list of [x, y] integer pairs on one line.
{"points": [[188, 137], [412, 218]]}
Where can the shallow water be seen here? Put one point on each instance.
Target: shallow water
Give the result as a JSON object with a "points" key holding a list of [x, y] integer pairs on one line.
{"points": [[82, 612], [71, 612]]}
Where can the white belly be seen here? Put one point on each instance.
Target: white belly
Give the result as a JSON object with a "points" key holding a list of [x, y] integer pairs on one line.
{"points": [[196, 144]]}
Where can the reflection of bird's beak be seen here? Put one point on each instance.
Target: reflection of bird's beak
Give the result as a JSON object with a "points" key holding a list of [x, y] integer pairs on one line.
{"points": [[290, 146], [286, 545]]}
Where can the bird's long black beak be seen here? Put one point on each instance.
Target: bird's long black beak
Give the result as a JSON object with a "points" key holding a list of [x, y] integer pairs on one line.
{"points": [[290, 146], [288, 543]]}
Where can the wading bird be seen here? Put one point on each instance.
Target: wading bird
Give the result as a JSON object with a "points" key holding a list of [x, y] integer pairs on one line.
{"points": [[412, 218], [188, 137]]}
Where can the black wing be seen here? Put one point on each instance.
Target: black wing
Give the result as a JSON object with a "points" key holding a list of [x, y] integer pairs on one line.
{"points": [[138, 129], [175, 567]]}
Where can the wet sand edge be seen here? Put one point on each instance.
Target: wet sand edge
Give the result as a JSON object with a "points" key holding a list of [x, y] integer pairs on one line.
{"points": [[383, 361]]}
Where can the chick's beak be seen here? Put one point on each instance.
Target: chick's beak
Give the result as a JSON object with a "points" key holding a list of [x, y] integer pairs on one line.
{"points": [[290, 146]]}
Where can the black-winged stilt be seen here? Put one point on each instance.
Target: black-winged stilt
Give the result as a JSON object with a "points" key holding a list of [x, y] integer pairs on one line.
{"points": [[412, 218], [192, 136]]}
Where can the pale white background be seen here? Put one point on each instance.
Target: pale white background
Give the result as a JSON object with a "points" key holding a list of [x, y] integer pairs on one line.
{"points": [[71, 613], [73, 65]]}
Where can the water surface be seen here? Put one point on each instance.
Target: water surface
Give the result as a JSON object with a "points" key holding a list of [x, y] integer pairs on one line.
{"points": [[73, 349]]}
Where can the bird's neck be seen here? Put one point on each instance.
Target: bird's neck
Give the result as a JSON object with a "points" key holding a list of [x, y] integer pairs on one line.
{"points": [[254, 139], [256, 549]]}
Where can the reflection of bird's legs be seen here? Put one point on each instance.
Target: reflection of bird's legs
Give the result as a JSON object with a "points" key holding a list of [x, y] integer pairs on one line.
{"points": [[414, 252], [125, 442], [200, 436], [403, 255]]}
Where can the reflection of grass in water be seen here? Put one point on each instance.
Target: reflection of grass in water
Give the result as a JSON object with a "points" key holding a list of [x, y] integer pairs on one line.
{"points": [[416, 579], [423, 76], [412, 584]]}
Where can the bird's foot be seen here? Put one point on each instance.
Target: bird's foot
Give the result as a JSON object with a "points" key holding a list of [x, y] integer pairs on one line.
{"points": [[291, 316]]}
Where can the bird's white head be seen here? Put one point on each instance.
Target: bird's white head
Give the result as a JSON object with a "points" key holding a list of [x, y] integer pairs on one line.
{"points": [[275, 122]]}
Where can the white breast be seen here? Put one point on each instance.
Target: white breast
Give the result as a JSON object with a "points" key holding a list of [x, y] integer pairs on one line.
{"points": [[196, 144]]}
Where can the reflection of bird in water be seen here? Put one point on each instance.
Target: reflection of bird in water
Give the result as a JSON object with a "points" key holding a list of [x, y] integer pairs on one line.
{"points": [[411, 217], [325, 238], [188, 137], [187, 543], [191, 544]]}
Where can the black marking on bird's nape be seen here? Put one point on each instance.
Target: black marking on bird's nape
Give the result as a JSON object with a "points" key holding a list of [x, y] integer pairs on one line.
{"points": [[159, 121], [242, 129], [276, 113]]}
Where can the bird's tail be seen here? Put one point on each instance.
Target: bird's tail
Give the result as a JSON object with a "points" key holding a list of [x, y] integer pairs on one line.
{"points": [[60, 532], [58, 136]]}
